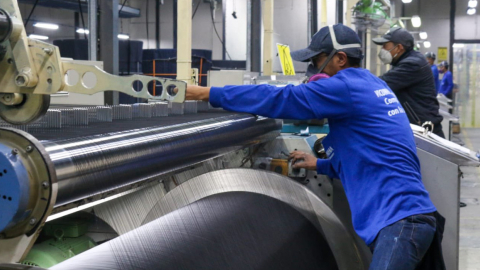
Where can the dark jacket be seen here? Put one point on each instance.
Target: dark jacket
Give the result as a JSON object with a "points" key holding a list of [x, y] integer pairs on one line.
{"points": [[411, 79]]}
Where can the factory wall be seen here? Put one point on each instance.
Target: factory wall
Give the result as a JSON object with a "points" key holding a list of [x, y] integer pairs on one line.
{"points": [[236, 29], [435, 17], [203, 35], [64, 18], [137, 29], [290, 28], [466, 26], [290, 25]]}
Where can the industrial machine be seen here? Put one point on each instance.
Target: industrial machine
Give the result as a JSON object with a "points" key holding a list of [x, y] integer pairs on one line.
{"points": [[32, 70], [157, 187], [171, 185], [448, 118]]}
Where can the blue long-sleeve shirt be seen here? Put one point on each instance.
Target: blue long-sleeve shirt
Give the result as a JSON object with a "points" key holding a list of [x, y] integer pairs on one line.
{"points": [[370, 145], [446, 86], [324, 166], [435, 77]]}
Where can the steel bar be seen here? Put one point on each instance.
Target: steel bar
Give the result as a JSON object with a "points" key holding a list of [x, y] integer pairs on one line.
{"points": [[92, 165], [92, 26]]}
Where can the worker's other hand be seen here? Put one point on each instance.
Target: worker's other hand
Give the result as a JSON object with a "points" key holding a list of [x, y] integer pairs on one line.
{"points": [[303, 160], [195, 92]]}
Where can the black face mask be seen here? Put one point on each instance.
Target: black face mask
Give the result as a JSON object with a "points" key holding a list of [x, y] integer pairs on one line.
{"points": [[311, 70]]}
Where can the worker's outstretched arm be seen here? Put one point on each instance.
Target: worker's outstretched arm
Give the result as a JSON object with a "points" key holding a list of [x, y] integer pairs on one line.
{"points": [[316, 100]]}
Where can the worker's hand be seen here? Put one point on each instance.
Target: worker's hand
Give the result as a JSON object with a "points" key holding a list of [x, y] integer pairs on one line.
{"points": [[195, 92], [303, 160]]}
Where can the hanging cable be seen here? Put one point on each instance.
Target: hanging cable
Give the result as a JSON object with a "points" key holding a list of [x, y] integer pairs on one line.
{"points": [[216, 32], [83, 21], [196, 8], [31, 12], [146, 24], [121, 22], [121, 8], [234, 13]]}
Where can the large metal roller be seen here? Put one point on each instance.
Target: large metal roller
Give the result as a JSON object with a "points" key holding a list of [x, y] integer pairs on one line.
{"points": [[85, 166], [91, 165], [232, 219]]}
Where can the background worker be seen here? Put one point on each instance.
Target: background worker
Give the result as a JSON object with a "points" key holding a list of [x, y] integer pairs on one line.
{"points": [[446, 86], [410, 78], [431, 57]]}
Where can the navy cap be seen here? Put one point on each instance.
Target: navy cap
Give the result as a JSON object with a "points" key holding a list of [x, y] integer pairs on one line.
{"points": [[431, 55], [345, 40], [396, 35], [443, 64]]}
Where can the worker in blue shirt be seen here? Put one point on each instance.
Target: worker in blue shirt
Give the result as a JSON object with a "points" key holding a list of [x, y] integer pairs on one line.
{"points": [[431, 57], [370, 146], [446, 86]]}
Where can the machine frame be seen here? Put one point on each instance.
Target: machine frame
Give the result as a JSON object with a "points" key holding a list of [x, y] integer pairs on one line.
{"points": [[32, 70]]}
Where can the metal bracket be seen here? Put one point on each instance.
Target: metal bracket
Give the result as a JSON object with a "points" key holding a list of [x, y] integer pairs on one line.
{"points": [[426, 125], [87, 79], [296, 173]]}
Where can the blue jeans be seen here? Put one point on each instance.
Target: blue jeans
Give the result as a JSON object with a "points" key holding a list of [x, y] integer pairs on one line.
{"points": [[402, 245]]}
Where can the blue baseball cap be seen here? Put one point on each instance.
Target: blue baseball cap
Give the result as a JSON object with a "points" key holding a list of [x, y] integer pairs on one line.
{"points": [[344, 40]]}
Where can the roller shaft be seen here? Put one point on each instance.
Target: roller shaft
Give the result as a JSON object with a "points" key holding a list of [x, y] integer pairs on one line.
{"points": [[91, 165], [5, 26]]}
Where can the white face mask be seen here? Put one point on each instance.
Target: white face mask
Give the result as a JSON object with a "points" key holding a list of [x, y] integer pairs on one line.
{"points": [[385, 56]]}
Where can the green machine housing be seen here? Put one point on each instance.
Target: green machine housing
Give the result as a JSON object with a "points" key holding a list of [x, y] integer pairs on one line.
{"points": [[64, 238]]}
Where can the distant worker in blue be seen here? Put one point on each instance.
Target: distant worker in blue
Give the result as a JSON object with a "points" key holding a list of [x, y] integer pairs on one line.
{"points": [[446, 86], [370, 146], [410, 78], [431, 57]]}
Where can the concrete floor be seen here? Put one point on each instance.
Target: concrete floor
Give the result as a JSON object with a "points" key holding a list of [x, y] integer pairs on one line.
{"points": [[470, 215]]}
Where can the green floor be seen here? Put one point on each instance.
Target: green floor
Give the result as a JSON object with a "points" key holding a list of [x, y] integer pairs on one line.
{"points": [[470, 215]]}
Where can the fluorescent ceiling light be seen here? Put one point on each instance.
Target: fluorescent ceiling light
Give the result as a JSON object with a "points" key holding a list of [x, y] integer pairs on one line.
{"points": [[427, 44], [123, 36], [50, 26], [416, 21], [83, 31], [406, 1], [472, 3], [471, 11], [38, 37], [456, 45], [423, 35]]}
